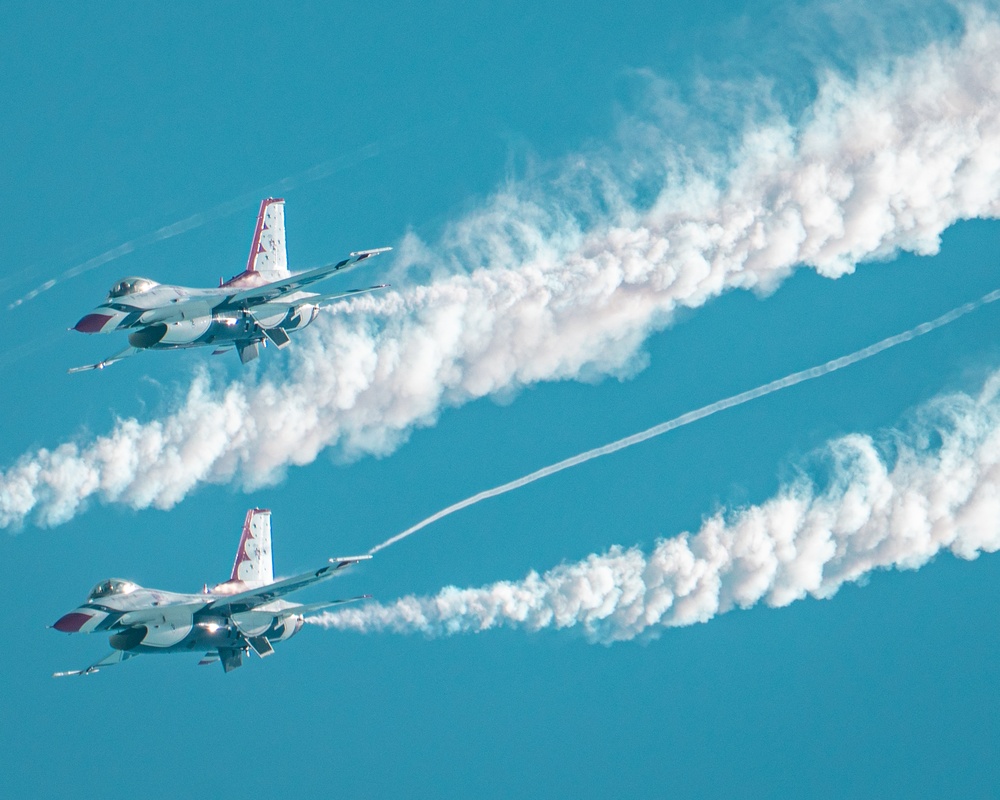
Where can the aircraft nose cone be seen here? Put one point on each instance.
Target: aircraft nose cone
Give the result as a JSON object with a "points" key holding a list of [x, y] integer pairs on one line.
{"points": [[72, 622], [92, 323]]}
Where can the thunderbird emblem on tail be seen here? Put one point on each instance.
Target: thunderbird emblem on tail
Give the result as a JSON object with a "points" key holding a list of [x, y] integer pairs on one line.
{"points": [[262, 304], [224, 623]]}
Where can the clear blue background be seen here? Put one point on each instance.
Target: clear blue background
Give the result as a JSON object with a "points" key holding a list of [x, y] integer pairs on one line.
{"points": [[122, 119]]}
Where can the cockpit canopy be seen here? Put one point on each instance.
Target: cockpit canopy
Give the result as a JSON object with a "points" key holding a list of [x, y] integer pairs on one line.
{"points": [[131, 285], [110, 587]]}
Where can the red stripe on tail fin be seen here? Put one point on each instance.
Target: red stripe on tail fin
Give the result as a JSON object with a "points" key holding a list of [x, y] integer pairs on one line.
{"points": [[256, 248], [267, 249], [253, 562]]}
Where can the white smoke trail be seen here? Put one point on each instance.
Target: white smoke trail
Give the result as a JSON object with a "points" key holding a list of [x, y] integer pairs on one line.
{"points": [[316, 172], [705, 411], [873, 514], [567, 280]]}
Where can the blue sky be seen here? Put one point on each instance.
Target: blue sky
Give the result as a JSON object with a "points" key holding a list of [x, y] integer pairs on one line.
{"points": [[131, 118]]}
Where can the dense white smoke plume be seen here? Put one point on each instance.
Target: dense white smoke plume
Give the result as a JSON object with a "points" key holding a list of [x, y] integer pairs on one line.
{"points": [[569, 279], [940, 490]]}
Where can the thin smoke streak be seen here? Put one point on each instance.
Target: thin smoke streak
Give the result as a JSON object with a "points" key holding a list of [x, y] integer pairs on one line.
{"points": [[932, 489], [314, 173], [705, 411], [566, 278]]}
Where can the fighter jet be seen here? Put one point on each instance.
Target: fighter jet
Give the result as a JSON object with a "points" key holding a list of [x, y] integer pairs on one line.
{"points": [[245, 613], [262, 304]]}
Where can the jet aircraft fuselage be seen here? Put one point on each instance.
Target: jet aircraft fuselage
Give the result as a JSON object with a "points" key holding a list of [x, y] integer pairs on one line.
{"points": [[244, 614], [165, 317], [144, 620], [264, 303]]}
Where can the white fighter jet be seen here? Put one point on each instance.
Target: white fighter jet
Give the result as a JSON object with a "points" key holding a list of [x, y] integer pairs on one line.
{"points": [[264, 303], [224, 623]]}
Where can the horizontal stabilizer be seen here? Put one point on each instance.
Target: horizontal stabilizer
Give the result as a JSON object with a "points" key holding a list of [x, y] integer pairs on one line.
{"points": [[209, 658], [112, 658], [128, 351], [310, 608]]}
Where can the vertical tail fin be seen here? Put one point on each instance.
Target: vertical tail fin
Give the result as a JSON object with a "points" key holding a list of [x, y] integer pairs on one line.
{"points": [[253, 563], [267, 250]]}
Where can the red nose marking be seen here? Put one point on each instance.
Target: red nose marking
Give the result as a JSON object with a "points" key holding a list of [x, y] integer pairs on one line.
{"points": [[72, 622], [92, 323]]}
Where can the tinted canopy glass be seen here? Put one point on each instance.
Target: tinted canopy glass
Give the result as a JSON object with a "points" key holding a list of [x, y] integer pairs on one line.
{"points": [[110, 587], [128, 286]]}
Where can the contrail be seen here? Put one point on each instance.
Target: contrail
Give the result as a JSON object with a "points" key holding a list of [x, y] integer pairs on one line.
{"points": [[705, 411], [568, 277], [314, 173], [807, 541]]}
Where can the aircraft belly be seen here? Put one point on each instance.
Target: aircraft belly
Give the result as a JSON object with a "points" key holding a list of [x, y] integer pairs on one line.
{"points": [[223, 328], [197, 639], [166, 634], [186, 331], [215, 331]]}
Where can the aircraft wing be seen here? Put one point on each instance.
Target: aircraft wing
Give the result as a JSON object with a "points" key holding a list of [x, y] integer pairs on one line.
{"points": [[114, 657], [250, 599], [309, 608], [126, 353], [272, 291], [327, 299]]}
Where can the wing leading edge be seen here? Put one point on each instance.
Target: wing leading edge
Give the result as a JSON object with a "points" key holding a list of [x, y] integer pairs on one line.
{"points": [[294, 283], [250, 599]]}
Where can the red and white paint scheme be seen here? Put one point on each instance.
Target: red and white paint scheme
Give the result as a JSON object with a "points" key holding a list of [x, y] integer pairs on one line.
{"points": [[252, 567], [223, 623], [264, 303]]}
